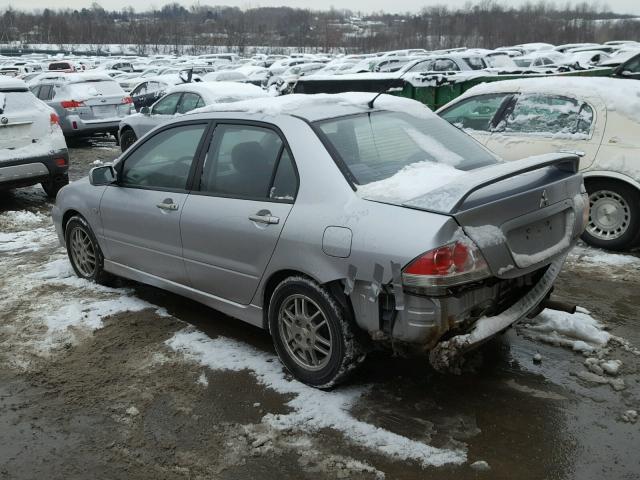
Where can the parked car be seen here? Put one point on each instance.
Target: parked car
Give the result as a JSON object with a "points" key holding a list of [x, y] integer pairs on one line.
{"points": [[182, 99], [630, 68], [32, 147], [597, 117], [86, 103], [151, 90], [330, 222]]}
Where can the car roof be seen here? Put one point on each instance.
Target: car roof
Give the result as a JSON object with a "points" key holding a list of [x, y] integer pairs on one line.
{"points": [[212, 91], [312, 108], [10, 83]]}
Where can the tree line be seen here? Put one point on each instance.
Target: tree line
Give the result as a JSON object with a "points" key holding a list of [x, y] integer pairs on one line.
{"points": [[201, 28]]}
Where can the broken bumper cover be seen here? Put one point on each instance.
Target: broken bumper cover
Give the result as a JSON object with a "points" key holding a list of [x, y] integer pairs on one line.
{"points": [[445, 354]]}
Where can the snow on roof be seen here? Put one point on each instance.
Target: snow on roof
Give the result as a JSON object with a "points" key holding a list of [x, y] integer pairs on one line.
{"points": [[85, 77], [10, 83], [618, 94], [321, 105], [220, 91]]}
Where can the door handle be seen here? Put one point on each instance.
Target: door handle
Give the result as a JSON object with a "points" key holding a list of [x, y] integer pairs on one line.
{"points": [[264, 216], [167, 204]]}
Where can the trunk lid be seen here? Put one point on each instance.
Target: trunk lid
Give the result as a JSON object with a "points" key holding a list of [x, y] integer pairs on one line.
{"points": [[18, 116], [522, 214]]}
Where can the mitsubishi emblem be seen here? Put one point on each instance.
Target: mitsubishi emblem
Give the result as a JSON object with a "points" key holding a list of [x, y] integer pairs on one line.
{"points": [[544, 200]]}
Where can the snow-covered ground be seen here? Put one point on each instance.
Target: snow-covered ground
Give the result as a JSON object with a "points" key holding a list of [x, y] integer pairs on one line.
{"points": [[47, 308]]}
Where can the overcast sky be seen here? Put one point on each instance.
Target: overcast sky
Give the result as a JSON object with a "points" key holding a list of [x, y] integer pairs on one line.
{"points": [[620, 6]]}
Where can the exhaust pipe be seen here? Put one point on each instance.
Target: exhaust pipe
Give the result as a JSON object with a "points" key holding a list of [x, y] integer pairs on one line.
{"points": [[560, 306]]}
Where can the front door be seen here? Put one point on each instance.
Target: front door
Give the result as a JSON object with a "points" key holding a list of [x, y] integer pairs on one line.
{"points": [[141, 214], [230, 228]]}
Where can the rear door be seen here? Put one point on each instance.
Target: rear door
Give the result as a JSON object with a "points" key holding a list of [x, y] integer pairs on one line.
{"points": [[536, 124], [230, 227], [141, 214]]}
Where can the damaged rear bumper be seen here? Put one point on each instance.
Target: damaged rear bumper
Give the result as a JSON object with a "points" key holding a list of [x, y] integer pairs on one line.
{"points": [[446, 353]]}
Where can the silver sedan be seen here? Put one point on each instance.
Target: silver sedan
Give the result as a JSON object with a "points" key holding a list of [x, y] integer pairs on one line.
{"points": [[334, 222]]}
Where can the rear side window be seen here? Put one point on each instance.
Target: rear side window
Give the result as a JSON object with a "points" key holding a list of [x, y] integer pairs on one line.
{"points": [[243, 161], [45, 92], [163, 161], [375, 146], [475, 113], [549, 115]]}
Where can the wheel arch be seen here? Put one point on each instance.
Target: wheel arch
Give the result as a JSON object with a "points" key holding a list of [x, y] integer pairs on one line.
{"points": [[608, 175], [335, 287]]}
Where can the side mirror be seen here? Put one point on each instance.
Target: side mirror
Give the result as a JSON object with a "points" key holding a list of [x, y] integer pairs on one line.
{"points": [[626, 73], [145, 111], [103, 175]]}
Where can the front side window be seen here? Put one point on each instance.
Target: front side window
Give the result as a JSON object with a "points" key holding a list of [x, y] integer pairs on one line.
{"points": [[140, 90], [164, 160], [189, 101], [549, 115], [375, 146], [633, 65], [167, 105], [475, 113], [241, 162], [445, 65]]}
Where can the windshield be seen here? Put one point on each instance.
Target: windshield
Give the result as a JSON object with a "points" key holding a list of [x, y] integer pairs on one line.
{"points": [[376, 146]]}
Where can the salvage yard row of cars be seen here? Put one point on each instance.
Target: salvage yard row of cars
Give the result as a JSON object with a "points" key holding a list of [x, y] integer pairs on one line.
{"points": [[268, 207]]}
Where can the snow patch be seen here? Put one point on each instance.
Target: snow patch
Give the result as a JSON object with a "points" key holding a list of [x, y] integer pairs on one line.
{"points": [[312, 409], [580, 331], [487, 236]]}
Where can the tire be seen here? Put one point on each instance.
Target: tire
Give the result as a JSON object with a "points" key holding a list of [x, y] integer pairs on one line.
{"points": [[52, 186], [78, 229], [334, 326], [127, 138], [614, 215]]}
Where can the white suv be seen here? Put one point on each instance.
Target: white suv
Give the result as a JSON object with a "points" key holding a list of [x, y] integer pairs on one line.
{"points": [[32, 147]]}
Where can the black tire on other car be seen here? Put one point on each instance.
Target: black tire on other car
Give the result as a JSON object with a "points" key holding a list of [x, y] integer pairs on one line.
{"points": [[52, 186], [84, 251], [307, 323], [614, 215], [127, 138]]}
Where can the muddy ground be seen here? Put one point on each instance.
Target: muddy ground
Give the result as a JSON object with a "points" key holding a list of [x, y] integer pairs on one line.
{"points": [[92, 384]]}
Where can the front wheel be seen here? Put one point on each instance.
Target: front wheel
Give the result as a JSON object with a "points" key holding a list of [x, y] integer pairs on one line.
{"points": [[614, 215], [313, 334], [84, 252], [127, 138]]}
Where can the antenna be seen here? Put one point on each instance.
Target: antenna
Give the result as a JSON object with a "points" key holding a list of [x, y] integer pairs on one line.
{"points": [[389, 85]]}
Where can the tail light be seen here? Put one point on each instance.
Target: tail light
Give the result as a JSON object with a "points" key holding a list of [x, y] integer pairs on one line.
{"points": [[54, 119], [127, 100], [447, 266], [61, 162], [71, 104]]}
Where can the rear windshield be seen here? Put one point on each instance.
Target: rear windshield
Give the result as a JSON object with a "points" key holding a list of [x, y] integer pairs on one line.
{"points": [[59, 66], [96, 88], [378, 145], [16, 101]]}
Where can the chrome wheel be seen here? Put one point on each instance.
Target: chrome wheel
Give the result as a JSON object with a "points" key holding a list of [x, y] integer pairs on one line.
{"points": [[82, 252], [609, 215], [305, 332]]}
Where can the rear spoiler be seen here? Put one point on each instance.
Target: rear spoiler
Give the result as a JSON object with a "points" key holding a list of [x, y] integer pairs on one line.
{"points": [[449, 198]]}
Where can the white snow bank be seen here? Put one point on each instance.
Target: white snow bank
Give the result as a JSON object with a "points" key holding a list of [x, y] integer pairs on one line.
{"points": [[25, 240], [312, 409], [292, 103], [601, 258], [410, 182], [579, 331], [21, 219]]}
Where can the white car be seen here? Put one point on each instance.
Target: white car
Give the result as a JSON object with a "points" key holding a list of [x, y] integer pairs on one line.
{"points": [[32, 146], [598, 118], [182, 99]]}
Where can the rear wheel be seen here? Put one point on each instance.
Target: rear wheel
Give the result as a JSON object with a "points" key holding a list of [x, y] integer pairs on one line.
{"points": [[614, 215], [127, 138], [84, 252], [313, 334], [52, 186]]}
